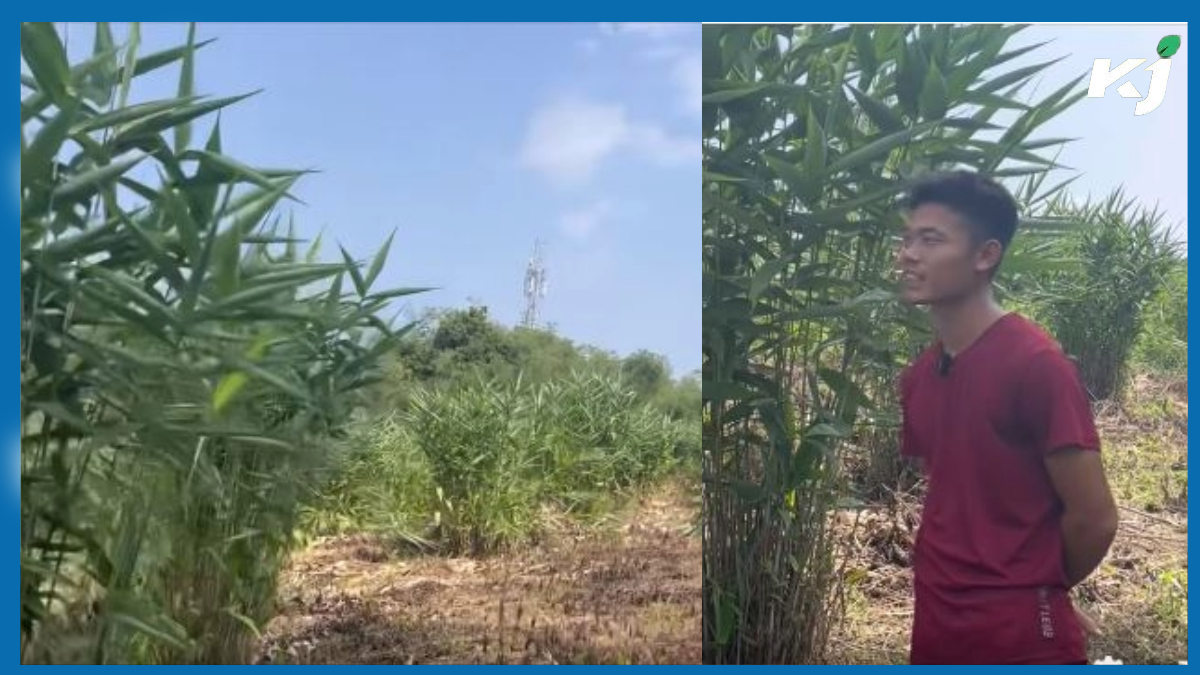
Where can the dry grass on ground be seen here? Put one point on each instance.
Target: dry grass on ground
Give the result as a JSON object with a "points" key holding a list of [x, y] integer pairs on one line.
{"points": [[624, 592]]}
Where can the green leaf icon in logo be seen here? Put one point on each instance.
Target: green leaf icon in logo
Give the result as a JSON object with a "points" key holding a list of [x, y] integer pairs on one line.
{"points": [[1168, 46]]}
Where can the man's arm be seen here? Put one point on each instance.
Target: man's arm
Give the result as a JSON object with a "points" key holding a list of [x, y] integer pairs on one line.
{"points": [[1089, 521], [910, 454]]}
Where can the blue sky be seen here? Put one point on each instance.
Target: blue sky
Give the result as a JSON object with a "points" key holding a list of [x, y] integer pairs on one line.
{"points": [[1147, 154], [474, 141]]}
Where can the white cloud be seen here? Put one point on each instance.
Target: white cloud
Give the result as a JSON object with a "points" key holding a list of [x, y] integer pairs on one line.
{"points": [[568, 139], [581, 223], [654, 31]]}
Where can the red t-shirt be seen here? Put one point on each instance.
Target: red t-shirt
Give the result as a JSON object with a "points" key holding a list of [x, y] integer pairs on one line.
{"points": [[989, 580]]}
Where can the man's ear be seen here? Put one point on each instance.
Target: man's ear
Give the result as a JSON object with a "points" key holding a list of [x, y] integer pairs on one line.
{"points": [[987, 258]]}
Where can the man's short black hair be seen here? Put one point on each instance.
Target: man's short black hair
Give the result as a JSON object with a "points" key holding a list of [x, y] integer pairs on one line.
{"points": [[989, 209]]}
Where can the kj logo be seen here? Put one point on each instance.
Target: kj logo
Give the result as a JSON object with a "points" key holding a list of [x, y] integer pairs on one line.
{"points": [[1103, 76]]}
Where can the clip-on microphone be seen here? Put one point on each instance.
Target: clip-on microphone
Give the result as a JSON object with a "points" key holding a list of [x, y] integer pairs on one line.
{"points": [[944, 364]]}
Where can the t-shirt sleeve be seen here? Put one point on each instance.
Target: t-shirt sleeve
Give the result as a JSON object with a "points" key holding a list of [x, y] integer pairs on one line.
{"points": [[908, 445], [1054, 405]]}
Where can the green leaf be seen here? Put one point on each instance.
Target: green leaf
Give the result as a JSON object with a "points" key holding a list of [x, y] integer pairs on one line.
{"points": [[249, 215], [140, 130], [764, 275], [1052, 192], [164, 264], [204, 189], [183, 132], [1062, 98], [227, 272], [733, 94], [379, 260], [827, 430], [47, 60], [124, 285], [252, 200], [299, 274], [1017, 53], [177, 211], [88, 183], [166, 57], [967, 123], [880, 114], [864, 48], [910, 76], [227, 388], [335, 291], [33, 105], [794, 178], [103, 38], [933, 94], [712, 177], [726, 619], [101, 80], [216, 166], [283, 385], [1018, 171], [98, 237], [1016, 76], [135, 39], [880, 147], [56, 410], [245, 297], [399, 292], [814, 145], [245, 621], [123, 608], [355, 274], [290, 250], [314, 250], [37, 161], [1018, 153], [994, 101], [129, 114], [886, 36]]}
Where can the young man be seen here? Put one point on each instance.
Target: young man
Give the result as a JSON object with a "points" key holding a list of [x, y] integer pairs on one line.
{"points": [[1018, 509]]}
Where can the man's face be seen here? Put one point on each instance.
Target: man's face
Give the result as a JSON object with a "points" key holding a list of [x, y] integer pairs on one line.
{"points": [[938, 260]]}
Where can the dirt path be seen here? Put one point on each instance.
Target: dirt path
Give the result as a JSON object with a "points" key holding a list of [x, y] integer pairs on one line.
{"points": [[628, 592]]}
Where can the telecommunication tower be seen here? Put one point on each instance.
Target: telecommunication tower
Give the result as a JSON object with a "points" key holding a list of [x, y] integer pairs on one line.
{"points": [[535, 287]]}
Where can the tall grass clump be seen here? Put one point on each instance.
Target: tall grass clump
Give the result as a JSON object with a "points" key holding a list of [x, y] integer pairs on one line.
{"points": [[182, 364], [1125, 258], [499, 451]]}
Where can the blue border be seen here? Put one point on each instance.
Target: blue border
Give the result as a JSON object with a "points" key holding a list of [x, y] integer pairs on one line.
{"points": [[623, 9]]}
